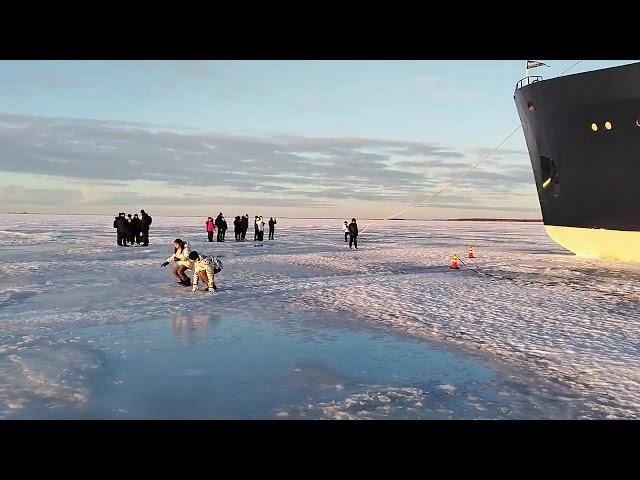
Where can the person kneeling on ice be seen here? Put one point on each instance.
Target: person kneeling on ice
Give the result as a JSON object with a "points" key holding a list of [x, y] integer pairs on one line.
{"points": [[181, 256], [203, 269]]}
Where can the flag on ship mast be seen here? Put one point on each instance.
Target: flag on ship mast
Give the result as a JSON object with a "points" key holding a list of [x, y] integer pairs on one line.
{"points": [[535, 63]]}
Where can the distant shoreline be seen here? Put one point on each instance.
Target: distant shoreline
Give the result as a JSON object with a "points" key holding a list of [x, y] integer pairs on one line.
{"points": [[525, 220], [531, 220]]}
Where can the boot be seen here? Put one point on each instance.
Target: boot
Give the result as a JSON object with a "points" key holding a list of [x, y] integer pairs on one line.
{"points": [[187, 282]]}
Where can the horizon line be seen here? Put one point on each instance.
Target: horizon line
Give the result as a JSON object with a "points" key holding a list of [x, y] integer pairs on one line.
{"points": [[469, 219]]}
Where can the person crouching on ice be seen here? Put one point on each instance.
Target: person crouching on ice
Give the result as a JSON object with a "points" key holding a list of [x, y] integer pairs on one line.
{"points": [[181, 256], [202, 270]]}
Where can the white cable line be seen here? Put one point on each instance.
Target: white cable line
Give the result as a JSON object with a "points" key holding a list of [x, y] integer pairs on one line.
{"points": [[464, 174]]}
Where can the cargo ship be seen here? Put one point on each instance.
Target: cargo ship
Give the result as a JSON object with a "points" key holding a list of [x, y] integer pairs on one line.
{"points": [[583, 136]]}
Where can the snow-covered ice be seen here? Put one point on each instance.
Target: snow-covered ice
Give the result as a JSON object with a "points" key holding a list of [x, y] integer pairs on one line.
{"points": [[303, 327]]}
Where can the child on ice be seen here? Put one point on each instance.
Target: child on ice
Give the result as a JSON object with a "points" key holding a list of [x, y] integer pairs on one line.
{"points": [[203, 267]]}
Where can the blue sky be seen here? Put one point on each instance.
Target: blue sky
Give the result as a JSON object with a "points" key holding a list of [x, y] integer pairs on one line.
{"points": [[312, 138]]}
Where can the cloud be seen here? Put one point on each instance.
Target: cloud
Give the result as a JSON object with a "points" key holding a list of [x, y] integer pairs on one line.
{"points": [[506, 176], [431, 163], [18, 195], [486, 208], [111, 151], [275, 170], [492, 201], [189, 199]]}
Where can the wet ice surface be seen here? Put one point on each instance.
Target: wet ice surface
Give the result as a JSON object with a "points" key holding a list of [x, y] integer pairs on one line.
{"points": [[302, 327]]}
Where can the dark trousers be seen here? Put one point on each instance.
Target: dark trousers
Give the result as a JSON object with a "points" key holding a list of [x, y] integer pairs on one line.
{"points": [[261, 235], [136, 237], [223, 232], [346, 235], [210, 235], [145, 236], [219, 236], [255, 234], [271, 230], [122, 238], [244, 234], [353, 239], [238, 235]]}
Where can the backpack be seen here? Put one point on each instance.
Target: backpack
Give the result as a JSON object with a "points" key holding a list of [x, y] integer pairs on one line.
{"points": [[150, 219], [217, 265], [215, 262]]}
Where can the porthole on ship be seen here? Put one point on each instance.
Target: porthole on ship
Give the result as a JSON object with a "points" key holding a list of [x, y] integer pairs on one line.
{"points": [[548, 171]]}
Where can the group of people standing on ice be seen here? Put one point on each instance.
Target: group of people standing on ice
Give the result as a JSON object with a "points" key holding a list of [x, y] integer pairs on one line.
{"points": [[240, 227], [351, 230], [220, 224], [203, 267], [132, 229], [136, 229], [259, 224]]}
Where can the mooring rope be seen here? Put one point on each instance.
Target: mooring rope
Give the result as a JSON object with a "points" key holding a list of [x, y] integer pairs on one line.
{"points": [[454, 181]]}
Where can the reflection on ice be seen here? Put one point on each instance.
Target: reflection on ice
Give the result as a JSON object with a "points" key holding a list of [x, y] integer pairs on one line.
{"points": [[191, 327]]}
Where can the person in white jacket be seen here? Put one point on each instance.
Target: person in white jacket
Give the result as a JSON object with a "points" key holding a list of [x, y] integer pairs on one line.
{"points": [[202, 270], [260, 224], [181, 257], [345, 229]]}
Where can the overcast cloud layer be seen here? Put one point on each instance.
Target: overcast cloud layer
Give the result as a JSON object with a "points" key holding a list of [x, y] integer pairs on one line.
{"points": [[284, 170]]}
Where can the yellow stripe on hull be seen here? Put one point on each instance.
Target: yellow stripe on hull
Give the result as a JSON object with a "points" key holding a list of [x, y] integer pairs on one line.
{"points": [[597, 242]]}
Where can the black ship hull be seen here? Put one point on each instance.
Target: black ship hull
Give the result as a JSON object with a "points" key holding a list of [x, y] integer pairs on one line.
{"points": [[583, 136]]}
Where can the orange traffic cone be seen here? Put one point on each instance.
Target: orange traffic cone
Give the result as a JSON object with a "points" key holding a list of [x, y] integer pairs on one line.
{"points": [[470, 253], [454, 262]]}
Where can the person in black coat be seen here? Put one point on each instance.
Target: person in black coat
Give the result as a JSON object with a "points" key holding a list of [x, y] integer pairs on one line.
{"points": [[218, 223], [245, 226], [225, 226], [123, 229], [353, 233], [115, 225], [136, 228], [146, 222], [272, 226], [237, 228]]}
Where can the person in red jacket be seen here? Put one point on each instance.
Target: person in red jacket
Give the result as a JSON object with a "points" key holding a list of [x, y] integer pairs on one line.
{"points": [[210, 228]]}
